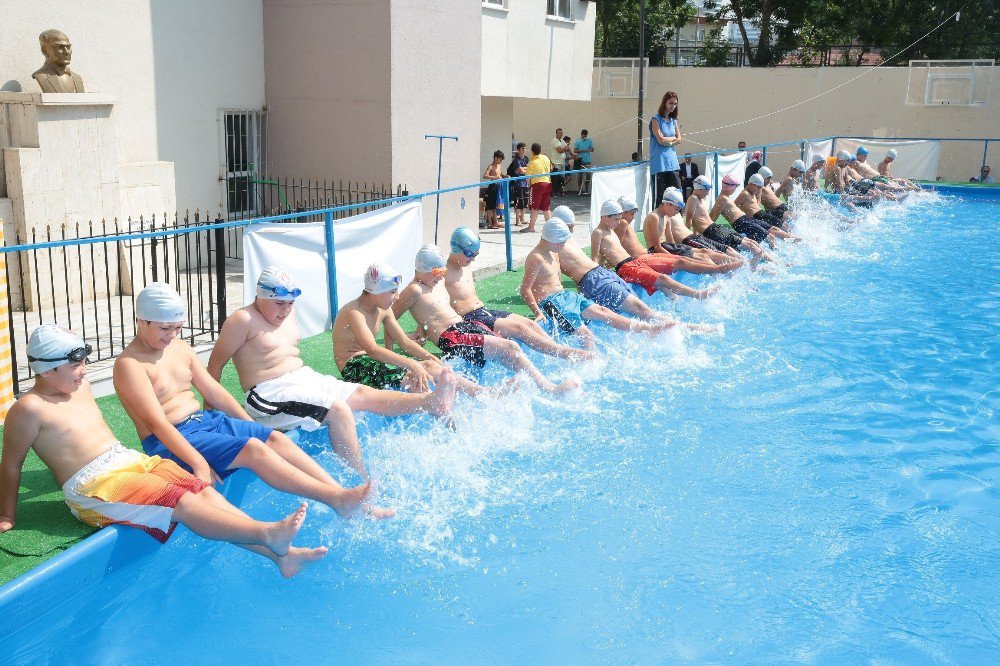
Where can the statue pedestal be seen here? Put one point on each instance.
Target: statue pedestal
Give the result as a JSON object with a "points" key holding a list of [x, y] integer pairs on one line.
{"points": [[60, 171]]}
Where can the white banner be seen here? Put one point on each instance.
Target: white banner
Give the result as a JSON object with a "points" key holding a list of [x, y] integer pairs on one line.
{"points": [[391, 235], [917, 160], [735, 164], [823, 148], [632, 182]]}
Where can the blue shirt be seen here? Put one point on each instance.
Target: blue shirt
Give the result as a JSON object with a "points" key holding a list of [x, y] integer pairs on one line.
{"points": [[583, 144], [662, 158]]}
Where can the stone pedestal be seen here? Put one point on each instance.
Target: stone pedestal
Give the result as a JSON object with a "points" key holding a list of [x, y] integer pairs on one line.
{"points": [[60, 177]]}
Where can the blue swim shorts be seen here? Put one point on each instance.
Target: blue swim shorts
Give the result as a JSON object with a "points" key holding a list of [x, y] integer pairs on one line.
{"points": [[605, 288], [565, 309], [217, 437]]}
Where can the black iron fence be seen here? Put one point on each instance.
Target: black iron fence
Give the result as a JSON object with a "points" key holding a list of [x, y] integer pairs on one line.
{"points": [[253, 195], [90, 286]]}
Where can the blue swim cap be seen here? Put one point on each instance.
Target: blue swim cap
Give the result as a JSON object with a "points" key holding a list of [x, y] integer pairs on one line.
{"points": [[862, 150], [464, 240]]}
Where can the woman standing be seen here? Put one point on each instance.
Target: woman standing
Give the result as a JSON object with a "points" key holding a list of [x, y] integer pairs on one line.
{"points": [[493, 172], [664, 134]]}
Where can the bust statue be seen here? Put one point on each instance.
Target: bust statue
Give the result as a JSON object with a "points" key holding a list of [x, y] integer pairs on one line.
{"points": [[55, 76]]}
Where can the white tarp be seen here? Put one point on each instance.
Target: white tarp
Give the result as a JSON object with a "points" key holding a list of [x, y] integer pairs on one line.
{"points": [[735, 164], [632, 182], [391, 235], [917, 160], [823, 148]]}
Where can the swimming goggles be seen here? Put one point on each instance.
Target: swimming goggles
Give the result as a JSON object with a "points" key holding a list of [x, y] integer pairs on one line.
{"points": [[280, 291], [469, 254], [75, 356], [439, 271]]}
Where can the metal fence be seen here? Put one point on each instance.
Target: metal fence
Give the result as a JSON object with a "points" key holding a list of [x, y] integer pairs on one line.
{"points": [[264, 195], [86, 276]]}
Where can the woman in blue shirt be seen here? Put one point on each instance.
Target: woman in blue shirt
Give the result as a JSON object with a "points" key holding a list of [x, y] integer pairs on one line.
{"points": [[664, 134]]}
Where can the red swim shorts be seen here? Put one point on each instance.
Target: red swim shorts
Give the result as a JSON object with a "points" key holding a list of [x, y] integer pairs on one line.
{"points": [[645, 270], [541, 196]]}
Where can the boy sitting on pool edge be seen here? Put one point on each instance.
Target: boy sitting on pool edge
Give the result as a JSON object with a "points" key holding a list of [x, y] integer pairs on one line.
{"points": [[105, 483]]}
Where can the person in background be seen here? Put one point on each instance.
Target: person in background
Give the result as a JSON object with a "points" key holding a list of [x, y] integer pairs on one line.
{"points": [[753, 166], [569, 157], [584, 148], [741, 146], [519, 188], [984, 175], [689, 171], [664, 135], [557, 159], [541, 186], [493, 172]]}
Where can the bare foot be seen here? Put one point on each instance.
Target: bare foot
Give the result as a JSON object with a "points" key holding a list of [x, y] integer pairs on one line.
{"points": [[440, 401], [280, 534], [705, 293], [298, 559], [349, 499], [565, 386], [574, 354], [377, 512]]}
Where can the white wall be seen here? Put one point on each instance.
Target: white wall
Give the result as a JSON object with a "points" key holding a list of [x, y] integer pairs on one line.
{"points": [[498, 124], [171, 66], [527, 54], [435, 90]]}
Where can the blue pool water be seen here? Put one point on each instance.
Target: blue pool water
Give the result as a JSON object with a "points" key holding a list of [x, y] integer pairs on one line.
{"points": [[818, 484]]}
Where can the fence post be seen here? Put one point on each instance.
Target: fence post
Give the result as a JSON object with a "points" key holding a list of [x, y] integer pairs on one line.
{"points": [[152, 245], [802, 151], [763, 157], [986, 149], [505, 197], [715, 158], [331, 266], [220, 271], [8, 352]]}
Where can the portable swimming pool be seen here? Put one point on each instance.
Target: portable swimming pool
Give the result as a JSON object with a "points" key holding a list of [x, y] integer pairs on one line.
{"points": [[818, 484]]}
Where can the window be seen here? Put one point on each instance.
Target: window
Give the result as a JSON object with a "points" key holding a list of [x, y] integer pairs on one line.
{"points": [[243, 148], [495, 4], [561, 9], [699, 34]]}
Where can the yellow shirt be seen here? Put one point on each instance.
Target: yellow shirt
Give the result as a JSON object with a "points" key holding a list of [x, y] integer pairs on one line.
{"points": [[538, 164]]}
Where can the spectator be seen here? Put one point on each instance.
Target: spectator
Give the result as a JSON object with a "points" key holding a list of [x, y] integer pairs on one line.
{"points": [[557, 161], [741, 146], [753, 167], [635, 157], [541, 186], [689, 171], [664, 134], [493, 172], [984, 175], [584, 148], [569, 157], [518, 188]]}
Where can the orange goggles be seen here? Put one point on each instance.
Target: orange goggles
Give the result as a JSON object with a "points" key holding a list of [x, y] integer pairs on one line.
{"points": [[440, 271]]}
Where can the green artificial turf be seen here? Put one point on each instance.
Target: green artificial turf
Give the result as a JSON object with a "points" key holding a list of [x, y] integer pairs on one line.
{"points": [[45, 526]]}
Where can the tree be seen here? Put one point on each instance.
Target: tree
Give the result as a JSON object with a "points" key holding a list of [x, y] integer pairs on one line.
{"points": [[617, 24]]}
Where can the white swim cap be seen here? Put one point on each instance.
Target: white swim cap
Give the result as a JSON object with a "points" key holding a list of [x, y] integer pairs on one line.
{"points": [[765, 173], [818, 158], [701, 183], [275, 284], [610, 207], [380, 278], [673, 196], [627, 204], [757, 180], [428, 258], [891, 154], [50, 346], [844, 155], [799, 165], [555, 231], [159, 302], [565, 213]]}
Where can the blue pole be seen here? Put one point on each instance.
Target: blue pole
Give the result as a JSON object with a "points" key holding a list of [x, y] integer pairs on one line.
{"points": [[986, 149], [764, 157], [437, 197], [331, 266], [802, 151], [505, 198]]}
